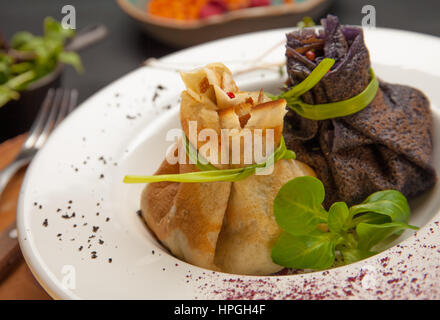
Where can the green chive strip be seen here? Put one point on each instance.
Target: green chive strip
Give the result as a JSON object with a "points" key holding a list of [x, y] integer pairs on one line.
{"points": [[312, 79], [194, 157], [215, 175], [327, 110]]}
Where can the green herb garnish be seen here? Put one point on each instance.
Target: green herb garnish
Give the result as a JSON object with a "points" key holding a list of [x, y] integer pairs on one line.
{"points": [[194, 157], [211, 173], [327, 110], [313, 238], [306, 22], [31, 57]]}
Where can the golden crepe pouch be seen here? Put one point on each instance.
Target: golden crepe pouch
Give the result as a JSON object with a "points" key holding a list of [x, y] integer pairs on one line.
{"points": [[224, 226]]}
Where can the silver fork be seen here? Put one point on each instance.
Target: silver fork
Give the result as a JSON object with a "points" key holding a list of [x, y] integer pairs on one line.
{"points": [[56, 106]]}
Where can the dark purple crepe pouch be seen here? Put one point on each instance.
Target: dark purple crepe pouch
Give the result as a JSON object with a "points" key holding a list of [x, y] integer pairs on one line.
{"points": [[387, 145]]}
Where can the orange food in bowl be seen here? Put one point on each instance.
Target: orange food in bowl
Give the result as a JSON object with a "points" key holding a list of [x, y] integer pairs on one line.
{"points": [[196, 9], [176, 9]]}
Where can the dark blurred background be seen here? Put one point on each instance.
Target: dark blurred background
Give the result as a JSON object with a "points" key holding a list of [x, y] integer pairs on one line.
{"points": [[126, 46]]}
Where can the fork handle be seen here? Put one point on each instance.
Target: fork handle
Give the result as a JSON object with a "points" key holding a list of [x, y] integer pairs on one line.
{"points": [[9, 248], [7, 173], [10, 252], [87, 36]]}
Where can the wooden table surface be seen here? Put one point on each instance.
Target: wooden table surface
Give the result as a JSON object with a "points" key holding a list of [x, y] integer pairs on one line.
{"points": [[20, 283]]}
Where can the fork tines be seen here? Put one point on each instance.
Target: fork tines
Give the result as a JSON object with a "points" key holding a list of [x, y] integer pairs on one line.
{"points": [[57, 104]]}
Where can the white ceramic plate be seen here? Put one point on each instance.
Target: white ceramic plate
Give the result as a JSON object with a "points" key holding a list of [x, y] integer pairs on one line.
{"points": [[120, 130]]}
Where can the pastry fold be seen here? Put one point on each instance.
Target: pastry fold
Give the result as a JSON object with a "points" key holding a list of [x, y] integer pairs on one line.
{"points": [[224, 226]]}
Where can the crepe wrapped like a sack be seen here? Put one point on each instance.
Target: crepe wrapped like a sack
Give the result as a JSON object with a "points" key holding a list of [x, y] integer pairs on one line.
{"points": [[387, 145], [225, 226]]}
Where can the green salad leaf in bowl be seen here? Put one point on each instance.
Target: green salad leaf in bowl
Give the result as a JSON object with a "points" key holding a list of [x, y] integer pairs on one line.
{"points": [[29, 58], [314, 238]]}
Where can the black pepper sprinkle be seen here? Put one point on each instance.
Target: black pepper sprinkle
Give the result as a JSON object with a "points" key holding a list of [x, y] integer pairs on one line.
{"points": [[101, 176], [35, 204], [139, 213], [58, 210], [101, 241], [95, 228], [74, 226], [80, 248], [59, 235], [40, 207], [70, 201], [107, 219], [45, 223], [94, 256], [110, 260], [66, 216], [101, 158], [97, 213]]}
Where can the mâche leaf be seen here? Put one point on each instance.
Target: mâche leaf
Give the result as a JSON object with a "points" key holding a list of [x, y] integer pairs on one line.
{"points": [[391, 203], [353, 233], [372, 234], [351, 255], [73, 59], [55, 30], [338, 217], [298, 205], [369, 217], [7, 94], [31, 57], [313, 251]]}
